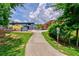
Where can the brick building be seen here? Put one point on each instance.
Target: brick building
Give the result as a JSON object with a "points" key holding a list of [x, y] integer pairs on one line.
{"points": [[47, 24]]}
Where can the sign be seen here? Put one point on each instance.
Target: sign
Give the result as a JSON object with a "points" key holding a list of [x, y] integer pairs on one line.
{"points": [[58, 32]]}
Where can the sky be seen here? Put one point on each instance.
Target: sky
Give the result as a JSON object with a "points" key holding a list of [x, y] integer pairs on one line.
{"points": [[38, 13]]}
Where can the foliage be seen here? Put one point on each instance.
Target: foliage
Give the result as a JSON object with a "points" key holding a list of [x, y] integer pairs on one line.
{"points": [[14, 46], [65, 33], [70, 16], [39, 26], [68, 50], [52, 31], [5, 12]]}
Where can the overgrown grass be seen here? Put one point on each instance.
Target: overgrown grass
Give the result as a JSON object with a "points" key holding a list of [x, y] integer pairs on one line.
{"points": [[68, 50], [15, 47]]}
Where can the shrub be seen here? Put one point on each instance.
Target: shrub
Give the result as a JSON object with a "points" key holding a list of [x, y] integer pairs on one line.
{"points": [[65, 33], [52, 31]]}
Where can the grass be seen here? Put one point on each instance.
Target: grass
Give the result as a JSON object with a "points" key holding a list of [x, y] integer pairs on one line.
{"points": [[68, 50], [15, 47]]}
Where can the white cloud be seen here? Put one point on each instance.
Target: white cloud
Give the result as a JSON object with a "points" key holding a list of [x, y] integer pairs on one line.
{"points": [[43, 13], [37, 12], [17, 20], [32, 15], [48, 11], [24, 21]]}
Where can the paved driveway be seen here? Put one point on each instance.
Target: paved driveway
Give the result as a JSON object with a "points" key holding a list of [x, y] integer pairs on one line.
{"points": [[38, 46]]}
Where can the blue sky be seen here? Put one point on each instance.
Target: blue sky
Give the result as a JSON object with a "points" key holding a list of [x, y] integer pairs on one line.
{"points": [[34, 12]]}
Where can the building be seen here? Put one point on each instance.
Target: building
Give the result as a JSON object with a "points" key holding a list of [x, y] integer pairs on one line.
{"points": [[47, 24], [16, 26]]}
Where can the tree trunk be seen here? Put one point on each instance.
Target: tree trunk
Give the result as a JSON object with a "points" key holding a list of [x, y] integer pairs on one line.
{"points": [[77, 38]]}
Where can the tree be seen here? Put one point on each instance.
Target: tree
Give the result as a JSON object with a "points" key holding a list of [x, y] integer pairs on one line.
{"points": [[70, 16], [5, 12]]}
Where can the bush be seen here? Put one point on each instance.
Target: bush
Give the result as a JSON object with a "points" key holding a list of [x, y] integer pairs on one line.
{"points": [[52, 31], [65, 33]]}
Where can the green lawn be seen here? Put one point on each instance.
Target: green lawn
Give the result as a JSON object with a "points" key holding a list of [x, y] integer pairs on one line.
{"points": [[14, 47], [71, 51]]}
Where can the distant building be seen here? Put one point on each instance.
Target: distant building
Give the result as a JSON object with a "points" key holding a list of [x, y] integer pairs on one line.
{"points": [[47, 24], [16, 26]]}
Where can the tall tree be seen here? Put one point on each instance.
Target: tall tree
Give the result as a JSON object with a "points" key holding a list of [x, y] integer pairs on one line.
{"points": [[70, 16], [5, 12]]}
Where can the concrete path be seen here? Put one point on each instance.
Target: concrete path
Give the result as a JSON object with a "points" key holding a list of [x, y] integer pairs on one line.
{"points": [[38, 46]]}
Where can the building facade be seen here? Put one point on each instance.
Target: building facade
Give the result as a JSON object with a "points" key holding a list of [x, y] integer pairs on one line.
{"points": [[22, 26], [47, 24]]}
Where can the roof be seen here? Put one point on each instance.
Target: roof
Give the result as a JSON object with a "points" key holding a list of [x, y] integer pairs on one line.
{"points": [[21, 23]]}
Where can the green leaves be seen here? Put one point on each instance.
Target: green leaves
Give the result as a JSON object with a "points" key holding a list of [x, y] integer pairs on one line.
{"points": [[70, 15], [5, 12]]}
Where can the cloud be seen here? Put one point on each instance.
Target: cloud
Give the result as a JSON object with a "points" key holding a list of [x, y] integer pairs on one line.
{"points": [[48, 12], [32, 15], [43, 13], [40, 14], [16, 20], [37, 12]]}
